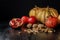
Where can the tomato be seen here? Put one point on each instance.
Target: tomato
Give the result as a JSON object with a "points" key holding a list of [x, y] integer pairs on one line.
{"points": [[51, 22], [15, 22], [24, 19], [32, 20]]}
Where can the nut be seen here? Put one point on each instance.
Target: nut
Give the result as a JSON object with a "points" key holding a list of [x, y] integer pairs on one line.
{"points": [[35, 30], [40, 25], [50, 30], [35, 25], [29, 25], [29, 31], [46, 30]]}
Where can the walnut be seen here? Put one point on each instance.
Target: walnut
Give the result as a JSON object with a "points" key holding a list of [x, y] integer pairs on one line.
{"points": [[29, 31], [29, 25], [35, 29], [41, 27], [46, 30], [50, 30], [35, 25]]}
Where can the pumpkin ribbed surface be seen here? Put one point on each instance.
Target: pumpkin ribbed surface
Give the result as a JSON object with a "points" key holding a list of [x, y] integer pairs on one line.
{"points": [[42, 14]]}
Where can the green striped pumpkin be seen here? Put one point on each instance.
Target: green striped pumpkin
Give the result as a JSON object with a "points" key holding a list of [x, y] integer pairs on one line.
{"points": [[42, 14]]}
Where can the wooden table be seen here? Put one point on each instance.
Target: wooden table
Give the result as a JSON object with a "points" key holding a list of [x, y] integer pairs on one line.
{"points": [[11, 34]]}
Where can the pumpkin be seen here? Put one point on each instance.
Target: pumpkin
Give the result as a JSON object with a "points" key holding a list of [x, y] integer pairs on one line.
{"points": [[42, 14], [59, 19]]}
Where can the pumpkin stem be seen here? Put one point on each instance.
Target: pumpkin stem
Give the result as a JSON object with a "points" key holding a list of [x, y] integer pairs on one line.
{"points": [[35, 6], [47, 8]]}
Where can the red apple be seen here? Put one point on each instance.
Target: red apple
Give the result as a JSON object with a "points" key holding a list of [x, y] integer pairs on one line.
{"points": [[32, 20], [24, 19]]}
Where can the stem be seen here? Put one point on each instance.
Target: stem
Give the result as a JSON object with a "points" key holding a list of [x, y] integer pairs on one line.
{"points": [[35, 6], [47, 9]]}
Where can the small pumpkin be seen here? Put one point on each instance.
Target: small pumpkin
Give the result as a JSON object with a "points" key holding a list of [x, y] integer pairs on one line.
{"points": [[59, 19], [42, 14]]}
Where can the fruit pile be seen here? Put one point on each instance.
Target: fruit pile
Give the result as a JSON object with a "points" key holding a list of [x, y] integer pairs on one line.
{"points": [[17, 22], [39, 20]]}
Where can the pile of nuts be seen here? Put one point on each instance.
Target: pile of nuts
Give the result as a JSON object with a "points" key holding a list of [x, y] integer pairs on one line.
{"points": [[36, 28]]}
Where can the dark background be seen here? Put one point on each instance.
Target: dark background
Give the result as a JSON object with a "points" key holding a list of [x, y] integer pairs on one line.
{"points": [[17, 8]]}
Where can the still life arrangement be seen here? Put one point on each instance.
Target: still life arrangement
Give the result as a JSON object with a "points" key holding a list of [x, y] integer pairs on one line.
{"points": [[39, 20]]}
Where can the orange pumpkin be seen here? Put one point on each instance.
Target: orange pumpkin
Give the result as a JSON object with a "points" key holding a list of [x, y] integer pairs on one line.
{"points": [[42, 14]]}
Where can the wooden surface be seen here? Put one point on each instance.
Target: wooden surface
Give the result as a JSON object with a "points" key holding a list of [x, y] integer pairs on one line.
{"points": [[16, 35], [10, 34]]}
